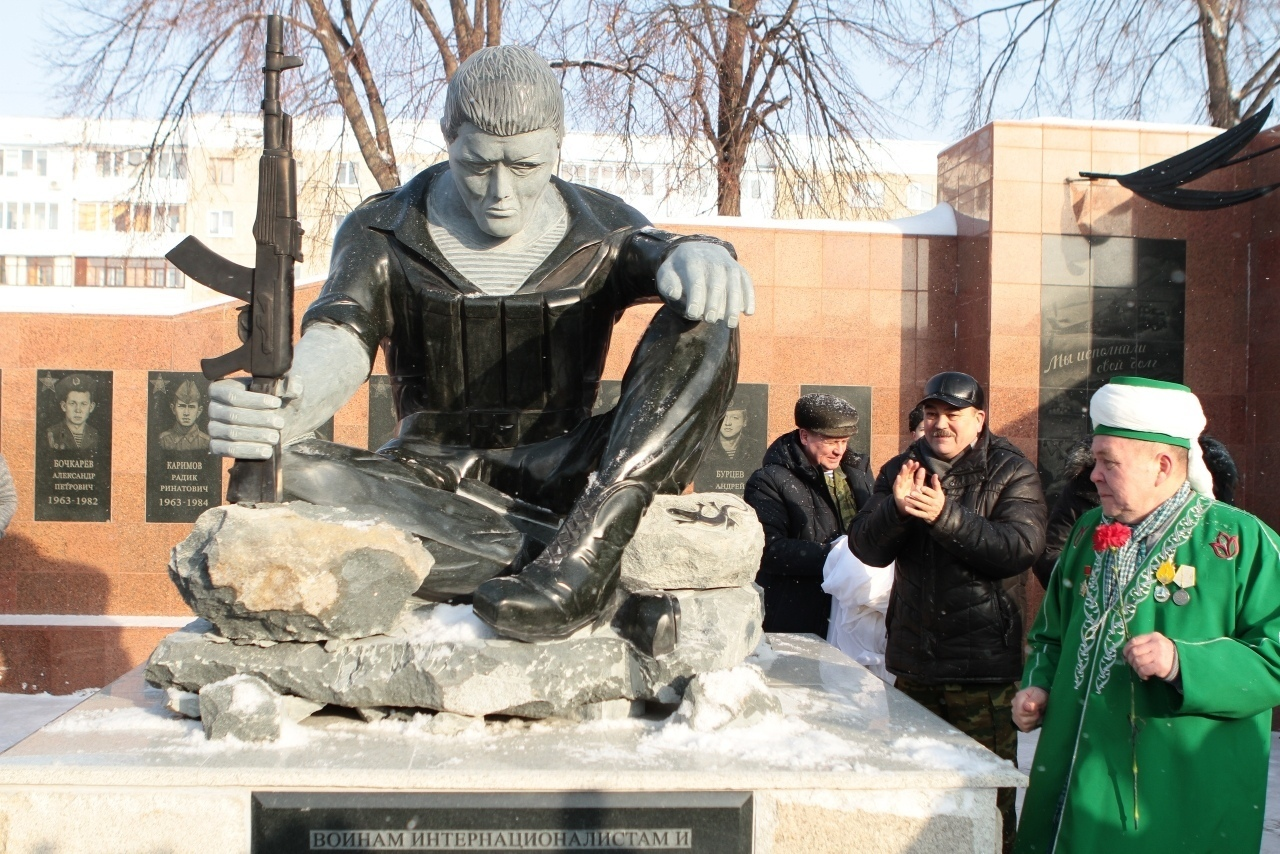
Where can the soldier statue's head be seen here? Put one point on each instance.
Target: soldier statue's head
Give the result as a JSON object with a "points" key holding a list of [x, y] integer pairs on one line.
{"points": [[187, 403], [503, 122]]}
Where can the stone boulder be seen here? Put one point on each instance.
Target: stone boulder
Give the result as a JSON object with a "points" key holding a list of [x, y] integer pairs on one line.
{"points": [[694, 542], [441, 657], [297, 572], [241, 706]]}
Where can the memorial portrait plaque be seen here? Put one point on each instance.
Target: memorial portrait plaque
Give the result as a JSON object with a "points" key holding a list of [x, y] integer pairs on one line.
{"points": [[738, 447], [382, 411], [694, 822], [73, 446], [183, 478], [860, 397]]}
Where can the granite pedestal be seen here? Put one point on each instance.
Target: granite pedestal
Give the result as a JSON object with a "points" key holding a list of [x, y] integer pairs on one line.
{"points": [[850, 765]]}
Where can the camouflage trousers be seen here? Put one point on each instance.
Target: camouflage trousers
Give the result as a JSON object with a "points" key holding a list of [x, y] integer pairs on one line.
{"points": [[985, 713]]}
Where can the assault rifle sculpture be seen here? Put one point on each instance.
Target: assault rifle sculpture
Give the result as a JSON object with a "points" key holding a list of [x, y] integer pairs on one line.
{"points": [[266, 322]]}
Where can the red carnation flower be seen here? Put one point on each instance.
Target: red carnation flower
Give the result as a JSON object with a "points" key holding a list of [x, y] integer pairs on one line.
{"points": [[1111, 536]]}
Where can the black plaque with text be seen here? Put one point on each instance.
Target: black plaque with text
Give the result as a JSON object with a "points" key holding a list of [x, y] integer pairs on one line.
{"points": [[738, 447], [183, 478], [1108, 306], [382, 411], [73, 446], [694, 822], [860, 397]]}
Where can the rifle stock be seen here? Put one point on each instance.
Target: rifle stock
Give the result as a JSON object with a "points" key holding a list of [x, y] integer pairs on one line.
{"points": [[267, 352]]}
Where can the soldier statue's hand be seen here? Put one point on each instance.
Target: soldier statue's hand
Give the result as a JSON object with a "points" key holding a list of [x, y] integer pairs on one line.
{"points": [[245, 424], [705, 283]]}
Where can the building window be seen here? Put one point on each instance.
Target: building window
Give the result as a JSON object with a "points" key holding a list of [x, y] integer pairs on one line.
{"points": [[867, 194], [222, 170], [346, 173], [121, 216], [32, 271], [24, 161], [807, 195], [172, 164], [29, 216], [127, 273], [221, 223], [919, 196], [113, 164]]}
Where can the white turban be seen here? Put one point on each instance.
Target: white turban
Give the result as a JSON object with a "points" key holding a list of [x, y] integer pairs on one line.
{"points": [[1154, 411]]}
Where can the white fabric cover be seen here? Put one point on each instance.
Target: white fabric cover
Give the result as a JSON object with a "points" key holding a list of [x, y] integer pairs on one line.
{"points": [[1156, 410], [859, 601]]}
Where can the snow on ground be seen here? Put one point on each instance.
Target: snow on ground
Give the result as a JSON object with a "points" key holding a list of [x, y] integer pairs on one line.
{"points": [[23, 714]]}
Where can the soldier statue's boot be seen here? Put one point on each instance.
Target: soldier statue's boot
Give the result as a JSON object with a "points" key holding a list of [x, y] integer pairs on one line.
{"points": [[572, 582], [650, 621]]}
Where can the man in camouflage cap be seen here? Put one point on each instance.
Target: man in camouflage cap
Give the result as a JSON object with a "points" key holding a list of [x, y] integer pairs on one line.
{"points": [[75, 397], [185, 434], [805, 496]]}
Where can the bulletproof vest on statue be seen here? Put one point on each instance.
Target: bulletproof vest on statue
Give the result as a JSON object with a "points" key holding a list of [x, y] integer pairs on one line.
{"points": [[501, 371]]}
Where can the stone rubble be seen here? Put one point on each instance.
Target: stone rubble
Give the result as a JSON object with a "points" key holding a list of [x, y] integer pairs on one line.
{"points": [[306, 606], [413, 667], [241, 706], [736, 697]]}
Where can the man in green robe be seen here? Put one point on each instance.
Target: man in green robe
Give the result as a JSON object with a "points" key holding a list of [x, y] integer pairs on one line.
{"points": [[1155, 660]]}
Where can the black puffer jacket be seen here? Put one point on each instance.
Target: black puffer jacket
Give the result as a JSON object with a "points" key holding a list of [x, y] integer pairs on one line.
{"points": [[951, 617], [791, 499]]}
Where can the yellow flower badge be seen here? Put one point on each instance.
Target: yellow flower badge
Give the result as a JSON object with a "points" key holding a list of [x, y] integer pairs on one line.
{"points": [[1166, 572]]}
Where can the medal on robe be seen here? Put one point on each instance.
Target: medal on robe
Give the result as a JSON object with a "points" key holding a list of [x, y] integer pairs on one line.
{"points": [[1182, 597], [1165, 574], [1185, 576]]}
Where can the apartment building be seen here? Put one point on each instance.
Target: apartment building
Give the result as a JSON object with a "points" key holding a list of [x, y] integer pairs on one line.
{"points": [[95, 205]]}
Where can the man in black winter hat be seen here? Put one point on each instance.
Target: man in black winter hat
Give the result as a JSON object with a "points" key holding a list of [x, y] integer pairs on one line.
{"points": [[962, 513], [807, 493]]}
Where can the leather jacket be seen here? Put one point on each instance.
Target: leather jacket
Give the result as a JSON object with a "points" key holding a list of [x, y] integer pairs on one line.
{"points": [[951, 616]]}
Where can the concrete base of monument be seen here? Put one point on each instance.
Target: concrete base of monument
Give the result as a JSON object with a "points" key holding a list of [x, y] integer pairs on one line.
{"points": [[849, 764]]}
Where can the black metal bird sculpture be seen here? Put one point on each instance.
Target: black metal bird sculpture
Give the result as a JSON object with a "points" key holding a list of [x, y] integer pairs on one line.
{"points": [[1162, 182]]}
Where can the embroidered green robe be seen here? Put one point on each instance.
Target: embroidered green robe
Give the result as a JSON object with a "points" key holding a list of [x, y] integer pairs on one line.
{"points": [[1201, 754]]}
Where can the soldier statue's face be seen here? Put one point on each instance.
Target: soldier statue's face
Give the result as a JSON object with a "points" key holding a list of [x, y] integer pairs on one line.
{"points": [[77, 407], [501, 178], [186, 412]]}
